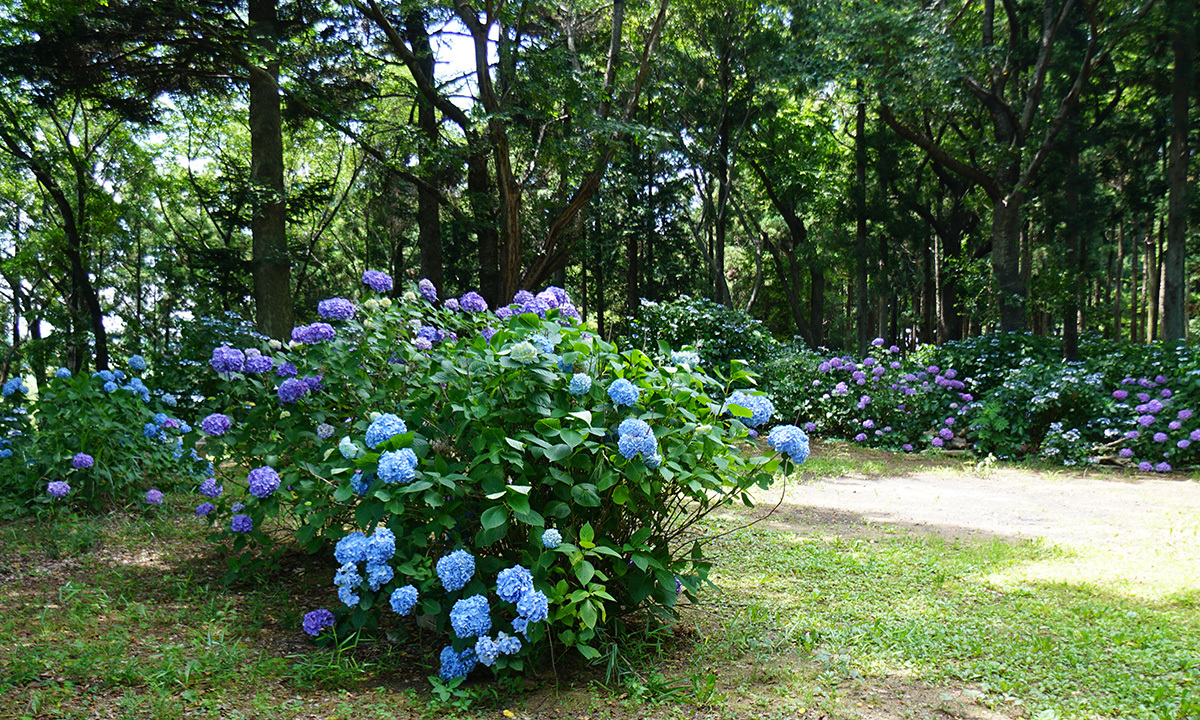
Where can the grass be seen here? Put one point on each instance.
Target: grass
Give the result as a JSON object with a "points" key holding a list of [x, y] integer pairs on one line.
{"points": [[124, 616]]}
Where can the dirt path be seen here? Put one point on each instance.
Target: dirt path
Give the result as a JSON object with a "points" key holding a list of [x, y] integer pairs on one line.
{"points": [[1137, 535]]}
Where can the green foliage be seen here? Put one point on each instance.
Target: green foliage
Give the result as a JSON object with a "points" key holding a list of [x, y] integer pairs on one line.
{"points": [[720, 334], [504, 451]]}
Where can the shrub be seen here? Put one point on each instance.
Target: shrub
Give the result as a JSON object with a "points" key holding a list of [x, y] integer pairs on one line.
{"points": [[502, 477], [105, 435], [720, 334]]}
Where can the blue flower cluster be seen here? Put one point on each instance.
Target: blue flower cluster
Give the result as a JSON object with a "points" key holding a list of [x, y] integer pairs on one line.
{"points": [[790, 440], [455, 569], [291, 390], [357, 548], [137, 362], [241, 523], [636, 438], [15, 385], [622, 392], [686, 358], [398, 466], [258, 363], [263, 482], [471, 617], [760, 406], [551, 538], [456, 664], [473, 302], [62, 373], [427, 290], [210, 488], [580, 384], [513, 582], [216, 424], [403, 599], [349, 450], [384, 428], [336, 309], [487, 649]]}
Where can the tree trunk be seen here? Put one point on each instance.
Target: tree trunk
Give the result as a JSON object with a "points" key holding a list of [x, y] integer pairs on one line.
{"points": [[1151, 284], [862, 304], [479, 188], [816, 304], [271, 263], [1175, 292], [429, 222], [1006, 263], [929, 286], [1070, 342]]}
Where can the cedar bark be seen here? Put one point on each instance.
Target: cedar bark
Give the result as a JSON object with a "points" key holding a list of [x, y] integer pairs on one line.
{"points": [[1175, 292]]}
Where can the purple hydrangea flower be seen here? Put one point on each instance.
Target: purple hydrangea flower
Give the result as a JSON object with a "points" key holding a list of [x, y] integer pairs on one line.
{"points": [[427, 290], [451, 304], [154, 496], [210, 488], [226, 360], [1184, 414], [861, 437], [58, 489], [241, 523], [938, 442], [877, 342], [263, 481], [216, 424], [316, 621], [1160, 437], [1145, 466], [473, 302], [286, 370], [336, 309], [380, 282], [291, 390], [906, 447], [314, 382], [1163, 467], [82, 460], [204, 508]]}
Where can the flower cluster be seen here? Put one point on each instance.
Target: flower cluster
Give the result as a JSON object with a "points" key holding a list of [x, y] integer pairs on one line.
{"points": [[622, 392], [636, 438], [384, 428], [82, 460], [336, 309], [790, 440], [226, 360], [262, 482], [316, 621], [378, 281], [455, 569], [317, 332], [760, 406]]}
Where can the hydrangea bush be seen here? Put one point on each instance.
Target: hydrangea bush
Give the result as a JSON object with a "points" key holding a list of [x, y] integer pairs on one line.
{"points": [[90, 441], [501, 477]]}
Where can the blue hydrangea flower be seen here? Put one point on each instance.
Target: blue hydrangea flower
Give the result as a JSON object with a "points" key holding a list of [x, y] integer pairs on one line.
{"points": [[226, 360], [154, 497], [534, 606], [348, 597], [471, 617], [790, 440], [404, 599], [5, 453], [507, 644], [760, 407], [241, 523], [455, 570], [397, 466], [316, 621], [150, 430], [551, 538], [110, 387], [216, 424], [380, 282], [384, 428], [210, 488], [686, 358], [378, 575], [622, 392], [521, 625], [291, 390], [524, 352], [137, 362], [513, 582], [349, 450], [361, 482], [286, 370], [580, 384], [347, 576], [263, 481], [62, 373], [632, 446], [204, 508], [652, 462], [473, 302], [351, 549], [160, 418], [58, 489], [456, 664], [486, 650], [325, 431], [105, 375], [336, 309], [82, 460], [381, 546]]}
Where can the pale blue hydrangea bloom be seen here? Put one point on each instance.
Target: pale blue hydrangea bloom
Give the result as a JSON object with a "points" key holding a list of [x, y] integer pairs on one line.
{"points": [[404, 599], [622, 392], [551, 538], [351, 549], [580, 384], [397, 466], [513, 582], [534, 606], [384, 428], [486, 650], [471, 617], [349, 450], [455, 570], [456, 664]]}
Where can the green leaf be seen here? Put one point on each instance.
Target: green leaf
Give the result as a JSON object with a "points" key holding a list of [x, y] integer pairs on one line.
{"points": [[571, 437], [343, 493], [494, 517], [587, 533], [588, 614], [620, 495], [556, 453], [585, 571]]}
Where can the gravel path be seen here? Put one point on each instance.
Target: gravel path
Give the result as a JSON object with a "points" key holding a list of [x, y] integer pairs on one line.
{"points": [[1137, 535]]}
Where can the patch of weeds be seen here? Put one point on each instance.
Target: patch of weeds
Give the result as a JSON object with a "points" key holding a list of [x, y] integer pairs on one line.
{"points": [[332, 667]]}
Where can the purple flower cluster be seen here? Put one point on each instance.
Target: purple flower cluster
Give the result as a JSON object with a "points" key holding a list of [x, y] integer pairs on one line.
{"points": [[427, 290], [262, 482], [378, 281], [82, 461], [336, 309], [316, 621], [1161, 430], [216, 424], [226, 360], [58, 489], [291, 390], [318, 332]]}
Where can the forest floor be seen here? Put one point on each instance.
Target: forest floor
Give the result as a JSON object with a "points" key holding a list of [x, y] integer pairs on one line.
{"points": [[872, 586]]}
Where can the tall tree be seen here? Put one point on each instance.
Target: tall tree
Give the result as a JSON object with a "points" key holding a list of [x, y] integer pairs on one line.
{"points": [[1184, 46]]}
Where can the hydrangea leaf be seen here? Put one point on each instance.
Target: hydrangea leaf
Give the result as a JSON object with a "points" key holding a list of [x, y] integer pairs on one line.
{"points": [[494, 517]]}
